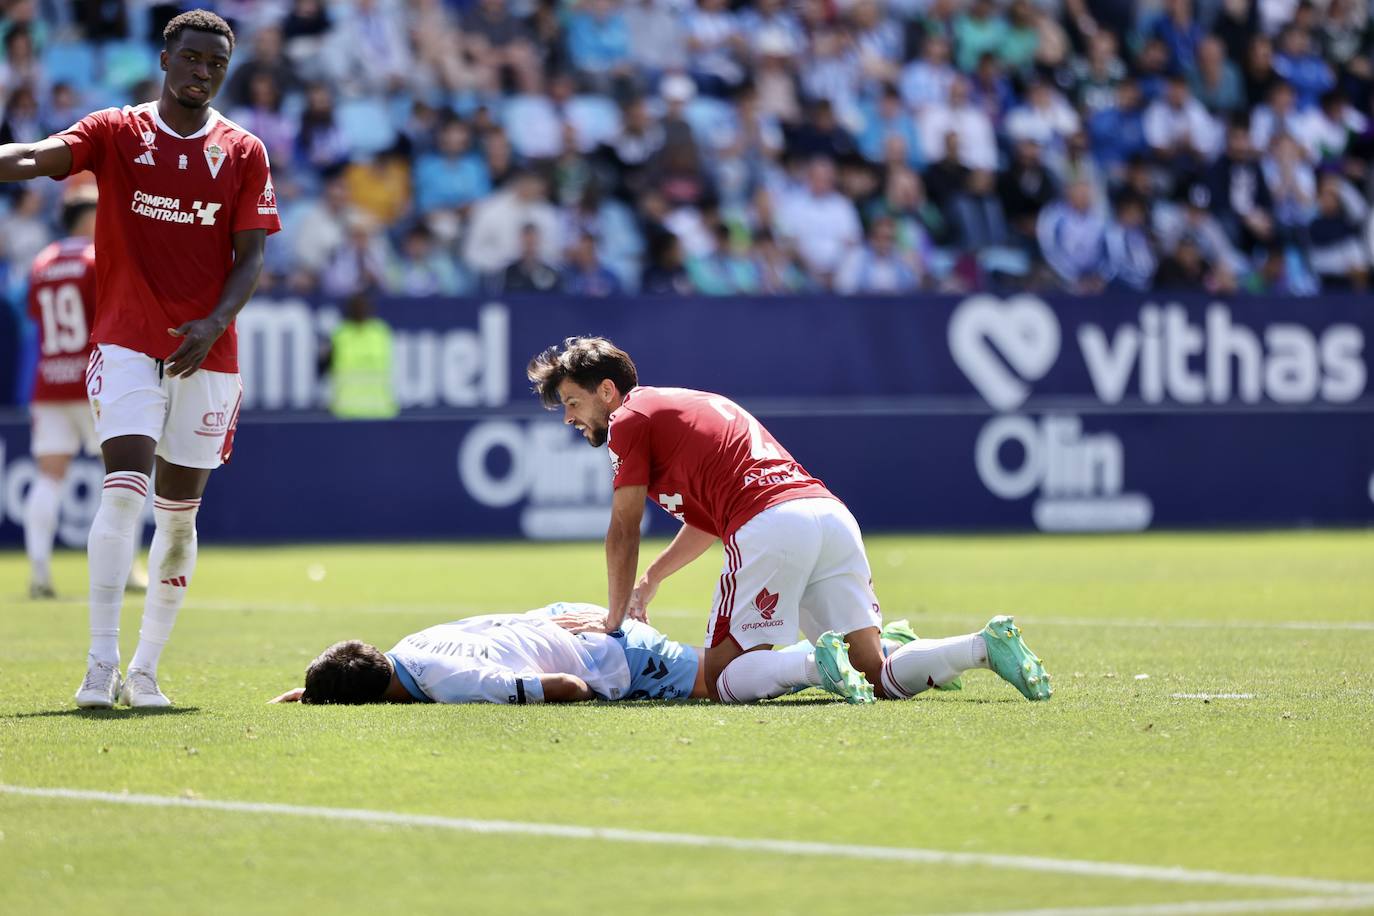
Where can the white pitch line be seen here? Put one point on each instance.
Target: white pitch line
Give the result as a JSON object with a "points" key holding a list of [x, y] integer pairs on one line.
{"points": [[1136, 623], [1123, 871], [1288, 905], [1212, 696]]}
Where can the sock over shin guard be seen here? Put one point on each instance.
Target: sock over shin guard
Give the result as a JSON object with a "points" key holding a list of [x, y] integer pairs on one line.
{"points": [[764, 675], [925, 663], [110, 555], [171, 561]]}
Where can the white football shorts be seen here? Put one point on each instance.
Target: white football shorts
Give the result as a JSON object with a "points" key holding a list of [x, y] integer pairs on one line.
{"points": [[62, 428], [796, 566], [191, 418]]}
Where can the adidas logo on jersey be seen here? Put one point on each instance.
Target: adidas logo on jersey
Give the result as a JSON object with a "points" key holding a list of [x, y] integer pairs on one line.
{"points": [[145, 158]]}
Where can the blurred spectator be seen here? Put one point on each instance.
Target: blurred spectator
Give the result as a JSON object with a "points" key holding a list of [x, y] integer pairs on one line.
{"points": [[1215, 81], [990, 88], [501, 42], [1098, 75], [263, 117], [775, 81], [1338, 252], [454, 175], [360, 262], [425, 269], [25, 231], [599, 42], [21, 122], [1299, 64], [372, 47], [585, 275], [1281, 115], [1292, 186], [657, 41], [779, 273], [1180, 32], [888, 121], [1258, 69], [726, 269], [878, 267], [1131, 257], [320, 226], [971, 195], [1073, 240], [1179, 130], [1045, 119], [380, 186], [320, 142], [822, 222], [529, 272], [820, 134], [1117, 132], [1025, 188], [926, 81], [1239, 196], [1194, 222], [979, 30], [715, 45], [497, 235], [499, 156], [664, 273], [20, 65], [977, 144], [63, 110], [267, 58]]}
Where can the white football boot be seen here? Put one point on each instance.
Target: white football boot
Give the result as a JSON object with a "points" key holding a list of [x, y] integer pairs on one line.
{"points": [[140, 691], [101, 686]]}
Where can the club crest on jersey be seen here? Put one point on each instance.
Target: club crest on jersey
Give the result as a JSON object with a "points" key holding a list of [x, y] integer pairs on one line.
{"points": [[267, 201], [214, 158], [181, 162]]}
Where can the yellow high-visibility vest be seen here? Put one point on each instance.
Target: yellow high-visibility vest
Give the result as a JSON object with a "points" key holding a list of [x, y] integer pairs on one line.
{"points": [[360, 371]]}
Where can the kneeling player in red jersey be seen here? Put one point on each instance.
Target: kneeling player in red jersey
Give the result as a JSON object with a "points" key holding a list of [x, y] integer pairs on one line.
{"points": [[186, 206], [794, 556]]}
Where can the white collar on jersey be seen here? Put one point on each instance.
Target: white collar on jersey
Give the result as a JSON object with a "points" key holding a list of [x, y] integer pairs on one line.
{"points": [[166, 129]]}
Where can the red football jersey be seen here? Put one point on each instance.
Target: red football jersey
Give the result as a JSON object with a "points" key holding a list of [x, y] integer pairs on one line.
{"points": [[705, 460], [62, 305], [169, 207]]}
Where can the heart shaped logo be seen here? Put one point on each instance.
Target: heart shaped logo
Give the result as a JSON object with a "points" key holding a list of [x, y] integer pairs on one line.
{"points": [[1023, 331]]}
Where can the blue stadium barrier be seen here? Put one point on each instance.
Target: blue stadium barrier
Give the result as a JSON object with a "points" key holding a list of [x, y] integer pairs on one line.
{"points": [[1058, 414]]}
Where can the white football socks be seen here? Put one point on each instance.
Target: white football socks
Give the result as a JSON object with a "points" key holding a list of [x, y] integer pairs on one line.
{"points": [[40, 525], [110, 555], [925, 663], [764, 675], [171, 561]]}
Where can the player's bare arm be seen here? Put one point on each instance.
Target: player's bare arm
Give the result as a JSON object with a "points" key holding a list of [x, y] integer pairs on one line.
{"points": [[564, 688], [42, 159], [687, 545], [622, 550], [200, 335]]}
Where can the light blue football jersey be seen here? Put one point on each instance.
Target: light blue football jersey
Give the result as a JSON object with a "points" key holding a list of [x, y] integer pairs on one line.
{"points": [[660, 668]]}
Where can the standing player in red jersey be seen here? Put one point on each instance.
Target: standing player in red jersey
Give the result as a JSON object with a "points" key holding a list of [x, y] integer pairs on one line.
{"points": [[794, 556], [186, 207], [62, 306]]}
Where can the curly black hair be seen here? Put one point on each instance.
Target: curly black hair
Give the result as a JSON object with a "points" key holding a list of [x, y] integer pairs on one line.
{"points": [[199, 21]]}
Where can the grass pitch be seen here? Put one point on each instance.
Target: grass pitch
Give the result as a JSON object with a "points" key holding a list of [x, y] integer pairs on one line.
{"points": [[1126, 764]]}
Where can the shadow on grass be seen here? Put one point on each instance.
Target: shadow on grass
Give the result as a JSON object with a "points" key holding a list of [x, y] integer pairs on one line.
{"points": [[99, 714]]}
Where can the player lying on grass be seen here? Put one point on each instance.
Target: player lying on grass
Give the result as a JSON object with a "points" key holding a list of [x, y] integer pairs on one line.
{"points": [[536, 657]]}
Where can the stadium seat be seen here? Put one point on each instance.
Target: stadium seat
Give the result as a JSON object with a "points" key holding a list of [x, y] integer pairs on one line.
{"points": [[367, 124], [127, 62], [71, 62]]}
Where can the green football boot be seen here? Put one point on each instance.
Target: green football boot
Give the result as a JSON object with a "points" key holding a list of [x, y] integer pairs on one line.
{"points": [[901, 631], [1013, 660], [837, 675]]}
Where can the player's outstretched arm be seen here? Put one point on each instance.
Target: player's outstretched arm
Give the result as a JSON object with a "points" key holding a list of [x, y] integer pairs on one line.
{"points": [[200, 335], [46, 158], [687, 545], [622, 550], [291, 696]]}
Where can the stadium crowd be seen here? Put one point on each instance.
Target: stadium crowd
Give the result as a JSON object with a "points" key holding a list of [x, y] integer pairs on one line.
{"points": [[726, 148]]}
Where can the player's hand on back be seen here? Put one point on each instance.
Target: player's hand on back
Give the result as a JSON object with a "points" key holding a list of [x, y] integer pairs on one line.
{"points": [[291, 696], [581, 621], [197, 339]]}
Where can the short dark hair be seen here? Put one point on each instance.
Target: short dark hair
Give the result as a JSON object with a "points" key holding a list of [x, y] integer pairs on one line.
{"points": [[198, 21], [349, 673], [588, 361], [73, 210]]}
